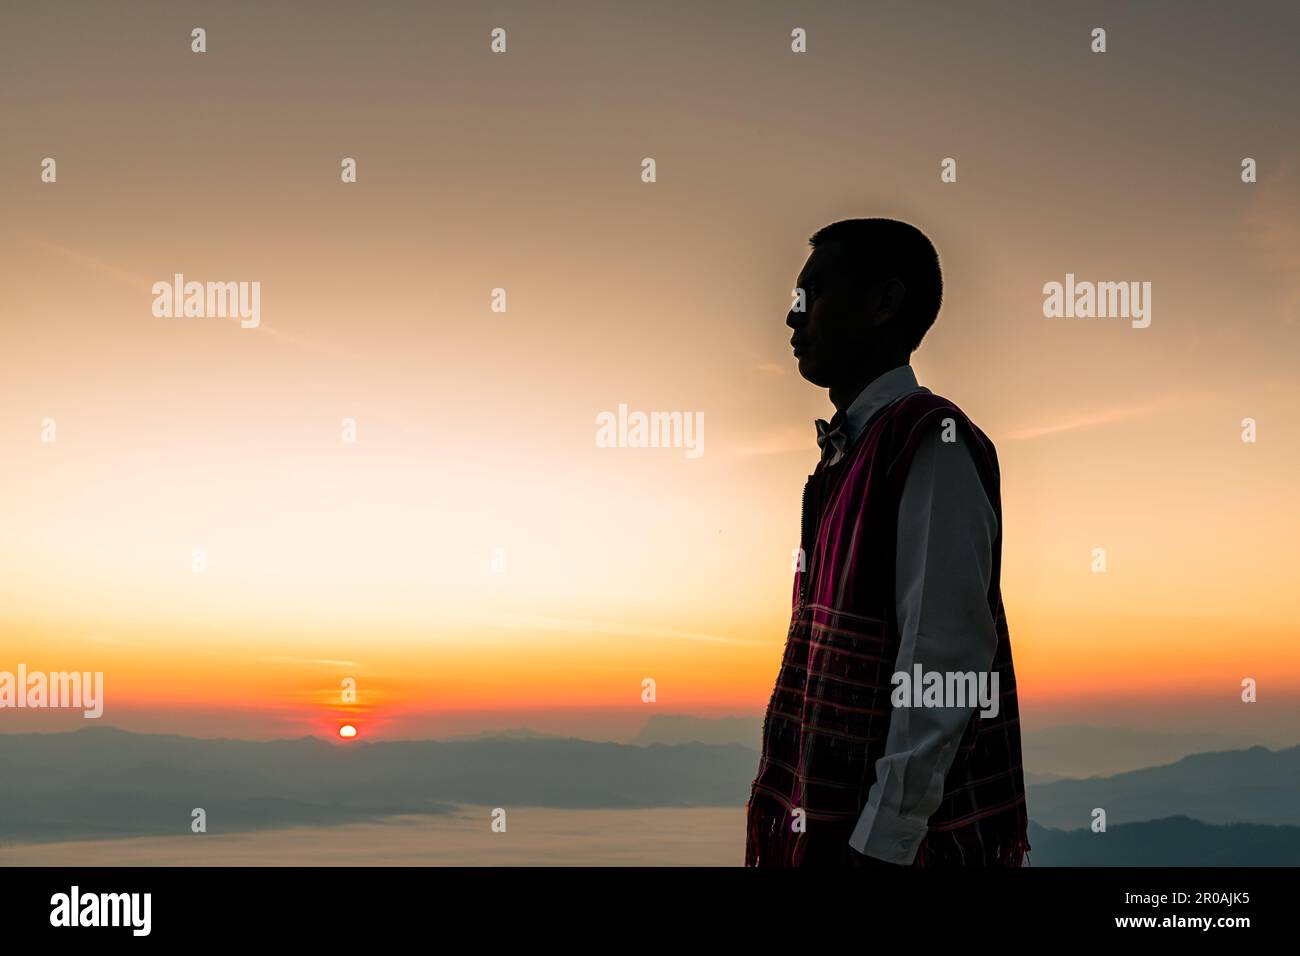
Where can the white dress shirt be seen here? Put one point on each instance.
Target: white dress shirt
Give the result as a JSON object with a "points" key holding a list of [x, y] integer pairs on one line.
{"points": [[944, 562]]}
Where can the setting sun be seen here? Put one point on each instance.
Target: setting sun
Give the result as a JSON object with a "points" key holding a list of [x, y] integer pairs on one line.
{"points": [[347, 730]]}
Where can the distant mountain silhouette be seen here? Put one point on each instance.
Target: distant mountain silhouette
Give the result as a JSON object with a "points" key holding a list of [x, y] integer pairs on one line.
{"points": [[1256, 785], [1174, 841], [510, 733], [1050, 753], [101, 782], [683, 729], [106, 782], [1032, 778], [1078, 751]]}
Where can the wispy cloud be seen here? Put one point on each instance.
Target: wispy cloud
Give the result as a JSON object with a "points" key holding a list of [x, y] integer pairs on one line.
{"points": [[1103, 416], [792, 439], [540, 623], [98, 266], [782, 440], [110, 639], [144, 284], [322, 661]]}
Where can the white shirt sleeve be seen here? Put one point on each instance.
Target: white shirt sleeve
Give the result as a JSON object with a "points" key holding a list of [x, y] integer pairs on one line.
{"points": [[946, 530]]}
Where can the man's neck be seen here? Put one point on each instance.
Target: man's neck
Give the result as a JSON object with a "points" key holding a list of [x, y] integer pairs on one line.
{"points": [[843, 394]]}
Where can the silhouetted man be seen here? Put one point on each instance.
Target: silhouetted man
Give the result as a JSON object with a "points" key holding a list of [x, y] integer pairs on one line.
{"points": [[893, 734]]}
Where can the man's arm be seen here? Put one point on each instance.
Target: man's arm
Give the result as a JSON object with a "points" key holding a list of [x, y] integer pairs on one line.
{"points": [[946, 530]]}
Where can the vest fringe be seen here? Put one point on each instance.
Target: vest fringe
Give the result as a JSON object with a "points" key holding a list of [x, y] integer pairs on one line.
{"points": [[949, 852], [768, 844]]}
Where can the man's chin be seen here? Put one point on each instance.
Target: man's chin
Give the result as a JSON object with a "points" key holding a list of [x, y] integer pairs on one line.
{"points": [[809, 372]]}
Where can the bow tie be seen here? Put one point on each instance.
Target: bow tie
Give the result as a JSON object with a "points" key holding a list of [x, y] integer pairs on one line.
{"points": [[833, 436]]}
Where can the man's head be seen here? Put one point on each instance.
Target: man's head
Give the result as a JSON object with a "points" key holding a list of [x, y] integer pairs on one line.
{"points": [[871, 290]]}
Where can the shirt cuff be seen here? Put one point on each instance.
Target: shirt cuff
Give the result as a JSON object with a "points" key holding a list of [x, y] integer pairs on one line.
{"points": [[887, 837]]}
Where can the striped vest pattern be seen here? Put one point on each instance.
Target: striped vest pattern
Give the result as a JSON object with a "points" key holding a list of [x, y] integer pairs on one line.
{"points": [[828, 718]]}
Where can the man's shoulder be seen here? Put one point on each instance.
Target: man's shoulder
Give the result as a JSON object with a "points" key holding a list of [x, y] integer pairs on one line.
{"points": [[922, 418], [923, 408]]}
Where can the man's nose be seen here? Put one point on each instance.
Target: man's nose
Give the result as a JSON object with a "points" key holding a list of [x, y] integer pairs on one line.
{"points": [[795, 319]]}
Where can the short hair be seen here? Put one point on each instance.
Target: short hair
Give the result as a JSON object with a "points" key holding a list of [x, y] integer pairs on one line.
{"points": [[878, 249]]}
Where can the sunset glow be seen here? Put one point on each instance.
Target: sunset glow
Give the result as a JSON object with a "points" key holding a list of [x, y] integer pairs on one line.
{"points": [[473, 559]]}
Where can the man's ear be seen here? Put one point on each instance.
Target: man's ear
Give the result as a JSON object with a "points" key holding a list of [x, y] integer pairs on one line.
{"points": [[887, 303]]}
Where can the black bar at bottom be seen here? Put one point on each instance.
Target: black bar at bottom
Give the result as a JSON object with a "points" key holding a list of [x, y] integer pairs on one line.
{"points": [[614, 906]]}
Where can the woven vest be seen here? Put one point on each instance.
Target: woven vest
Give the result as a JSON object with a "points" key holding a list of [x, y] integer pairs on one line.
{"points": [[828, 718]]}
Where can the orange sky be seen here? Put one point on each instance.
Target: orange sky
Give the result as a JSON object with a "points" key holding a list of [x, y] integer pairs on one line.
{"points": [[476, 429]]}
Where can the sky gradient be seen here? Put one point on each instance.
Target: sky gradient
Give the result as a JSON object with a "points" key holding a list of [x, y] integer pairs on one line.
{"points": [[475, 429]]}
